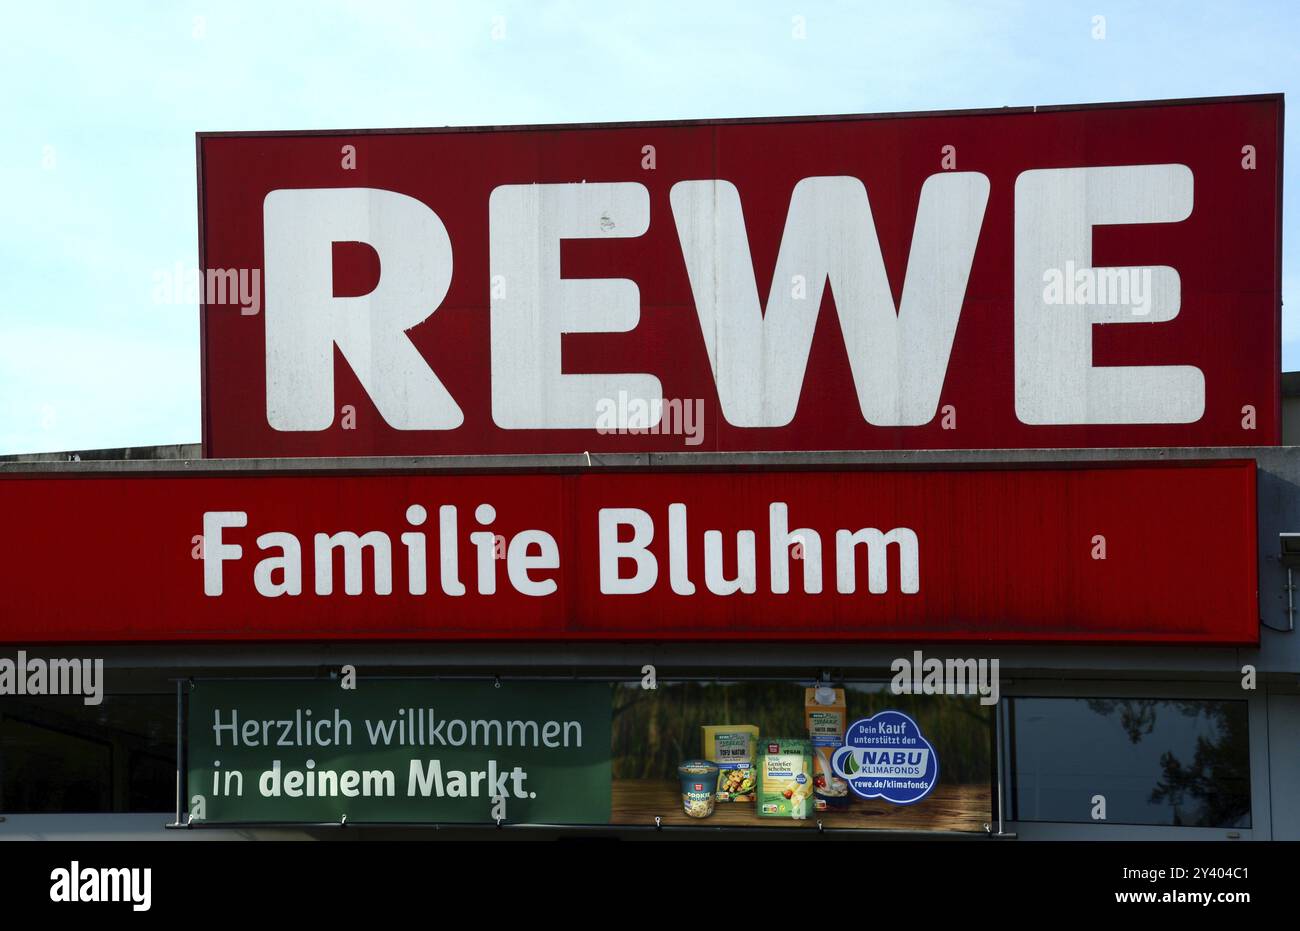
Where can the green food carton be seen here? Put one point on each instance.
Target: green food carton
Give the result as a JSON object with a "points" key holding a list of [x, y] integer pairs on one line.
{"points": [[785, 784], [733, 747]]}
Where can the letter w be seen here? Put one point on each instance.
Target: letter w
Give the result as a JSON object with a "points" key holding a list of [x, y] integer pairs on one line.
{"points": [[898, 355]]}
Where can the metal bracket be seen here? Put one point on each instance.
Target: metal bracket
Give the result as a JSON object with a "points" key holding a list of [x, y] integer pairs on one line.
{"points": [[1290, 600]]}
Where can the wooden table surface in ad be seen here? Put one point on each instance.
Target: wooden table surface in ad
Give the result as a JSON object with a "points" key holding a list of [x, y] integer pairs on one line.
{"points": [[947, 808]]}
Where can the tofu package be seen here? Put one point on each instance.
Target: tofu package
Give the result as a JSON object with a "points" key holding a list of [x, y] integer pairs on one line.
{"points": [[733, 747], [785, 784]]}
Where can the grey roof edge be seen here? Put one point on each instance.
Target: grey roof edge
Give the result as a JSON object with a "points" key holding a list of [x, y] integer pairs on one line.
{"points": [[1018, 109], [166, 451], [579, 462]]}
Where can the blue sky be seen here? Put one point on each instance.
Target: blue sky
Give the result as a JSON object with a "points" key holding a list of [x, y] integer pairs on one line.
{"points": [[102, 100]]}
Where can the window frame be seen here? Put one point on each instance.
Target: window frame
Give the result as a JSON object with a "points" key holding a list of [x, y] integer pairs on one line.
{"points": [[1183, 689]]}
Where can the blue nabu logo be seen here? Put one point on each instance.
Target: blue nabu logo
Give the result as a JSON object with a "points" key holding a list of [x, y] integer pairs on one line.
{"points": [[886, 756]]}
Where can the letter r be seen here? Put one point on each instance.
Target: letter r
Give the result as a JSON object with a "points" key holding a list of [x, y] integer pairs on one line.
{"points": [[305, 321]]}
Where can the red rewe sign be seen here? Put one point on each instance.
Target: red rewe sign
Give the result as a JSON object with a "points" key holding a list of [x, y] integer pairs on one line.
{"points": [[1064, 277], [1136, 553]]}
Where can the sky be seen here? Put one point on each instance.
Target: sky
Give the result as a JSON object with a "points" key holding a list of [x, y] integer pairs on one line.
{"points": [[101, 102]]}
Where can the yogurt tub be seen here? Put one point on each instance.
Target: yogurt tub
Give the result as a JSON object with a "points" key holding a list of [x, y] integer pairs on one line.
{"points": [[699, 779]]}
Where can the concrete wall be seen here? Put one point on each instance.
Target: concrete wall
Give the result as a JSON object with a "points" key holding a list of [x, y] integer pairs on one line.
{"points": [[1291, 408]]}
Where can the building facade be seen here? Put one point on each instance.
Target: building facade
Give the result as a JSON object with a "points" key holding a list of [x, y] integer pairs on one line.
{"points": [[518, 509], [1072, 721]]}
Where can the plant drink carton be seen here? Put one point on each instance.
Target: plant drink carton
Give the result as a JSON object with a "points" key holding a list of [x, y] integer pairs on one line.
{"points": [[826, 717]]}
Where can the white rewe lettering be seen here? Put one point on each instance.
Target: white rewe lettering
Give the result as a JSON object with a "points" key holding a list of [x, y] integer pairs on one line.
{"points": [[534, 307], [1056, 382], [898, 355], [305, 321], [758, 350]]}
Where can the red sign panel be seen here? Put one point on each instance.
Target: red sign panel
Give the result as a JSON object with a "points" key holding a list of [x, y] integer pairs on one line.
{"points": [[1151, 553], [1064, 277]]}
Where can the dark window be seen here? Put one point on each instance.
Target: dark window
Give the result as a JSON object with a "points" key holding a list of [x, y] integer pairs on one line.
{"points": [[59, 755], [1154, 760]]}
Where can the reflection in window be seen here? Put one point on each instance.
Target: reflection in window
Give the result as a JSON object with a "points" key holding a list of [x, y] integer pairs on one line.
{"points": [[1155, 761], [46, 770], [59, 755]]}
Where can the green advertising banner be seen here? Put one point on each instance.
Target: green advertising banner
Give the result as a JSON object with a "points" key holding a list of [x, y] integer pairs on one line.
{"points": [[399, 751]]}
